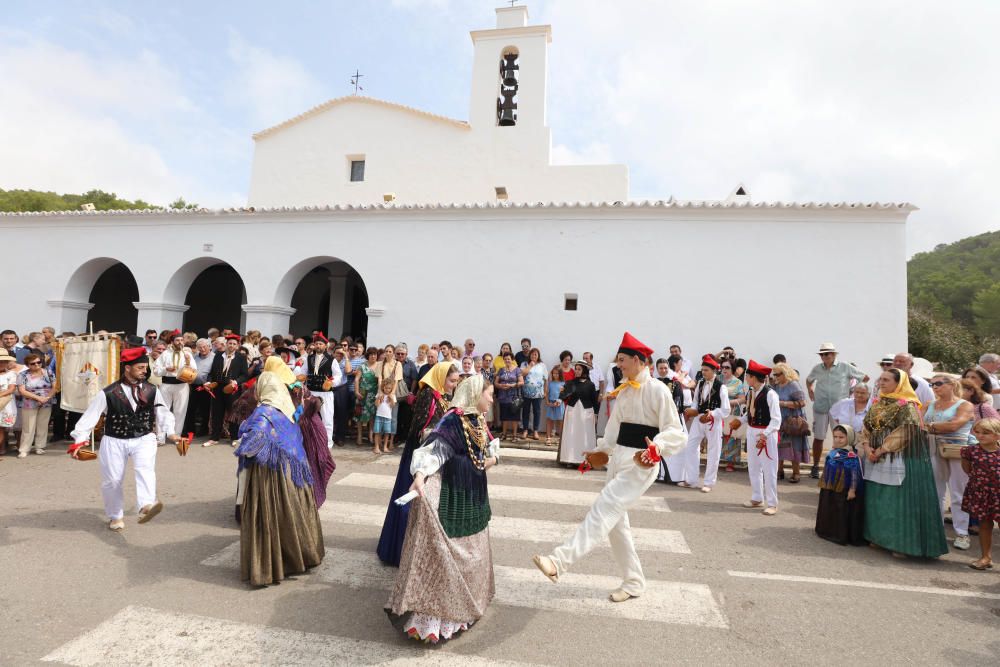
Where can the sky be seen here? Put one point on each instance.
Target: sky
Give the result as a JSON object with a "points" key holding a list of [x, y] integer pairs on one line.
{"points": [[810, 100]]}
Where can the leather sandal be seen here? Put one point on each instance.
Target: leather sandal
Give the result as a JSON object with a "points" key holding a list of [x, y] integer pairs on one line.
{"points": [[982, 565]]}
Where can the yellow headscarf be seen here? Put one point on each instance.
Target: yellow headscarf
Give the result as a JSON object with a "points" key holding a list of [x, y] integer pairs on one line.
{"points": [[276, 365], [903, 392], [436, 376], [272, 391], [468, 393]]}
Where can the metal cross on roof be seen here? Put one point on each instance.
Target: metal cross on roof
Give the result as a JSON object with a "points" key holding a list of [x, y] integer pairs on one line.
{"points": [[356, 81], [512, 2]]}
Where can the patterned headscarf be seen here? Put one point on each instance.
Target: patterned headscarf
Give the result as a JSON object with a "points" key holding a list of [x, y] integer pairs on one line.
{"points": [[468, 393], [904, 392], [271, 390]]}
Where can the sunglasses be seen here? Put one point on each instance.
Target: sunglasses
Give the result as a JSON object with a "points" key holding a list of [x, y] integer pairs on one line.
{"points": [[939, 384], [35, 363], [886, 364], [727, 368]]}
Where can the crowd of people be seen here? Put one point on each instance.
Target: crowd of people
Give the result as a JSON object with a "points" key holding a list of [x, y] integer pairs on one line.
{"points": [[908, 453]]}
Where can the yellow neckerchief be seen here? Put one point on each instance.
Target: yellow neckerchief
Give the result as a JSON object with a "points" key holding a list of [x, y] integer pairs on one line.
{"points": [[904, 392], [634, 384]]}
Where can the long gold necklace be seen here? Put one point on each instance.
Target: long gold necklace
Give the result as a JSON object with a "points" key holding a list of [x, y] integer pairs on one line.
{"points": [[475, 439]]}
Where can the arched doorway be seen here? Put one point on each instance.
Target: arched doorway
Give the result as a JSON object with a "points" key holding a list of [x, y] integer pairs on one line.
{"points": [[215, 299], [113, 296], [327, 294], [110, 286]]}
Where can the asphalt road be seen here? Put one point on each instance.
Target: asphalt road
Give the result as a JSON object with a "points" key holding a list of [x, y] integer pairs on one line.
{"points": [[727, 585]]}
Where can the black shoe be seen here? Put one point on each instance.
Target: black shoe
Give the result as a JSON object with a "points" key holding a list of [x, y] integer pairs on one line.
{"points": [[814, 472]]}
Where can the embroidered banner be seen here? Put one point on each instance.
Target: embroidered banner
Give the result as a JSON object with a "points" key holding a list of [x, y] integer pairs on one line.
{"points": [[85, 366]]}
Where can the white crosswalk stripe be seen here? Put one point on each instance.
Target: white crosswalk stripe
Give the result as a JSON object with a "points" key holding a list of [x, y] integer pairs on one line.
{"points": [[666, 602], [143, 636], [522, 469], [511, 528], [514, 493]]}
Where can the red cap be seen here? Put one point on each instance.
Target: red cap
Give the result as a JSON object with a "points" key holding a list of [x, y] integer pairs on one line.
{"points": [[759, 370], [709, 360], [632, 345], [235, 337], [319, 336], [134, 355], [175, 333]]}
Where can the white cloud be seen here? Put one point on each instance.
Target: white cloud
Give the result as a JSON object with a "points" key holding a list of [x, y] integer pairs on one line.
{"points": [[273, 87], [807, 101], [72, 121]]}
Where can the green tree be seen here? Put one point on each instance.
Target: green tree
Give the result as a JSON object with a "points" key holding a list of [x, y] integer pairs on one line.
{"points": [[179, 203], [986, 310]]}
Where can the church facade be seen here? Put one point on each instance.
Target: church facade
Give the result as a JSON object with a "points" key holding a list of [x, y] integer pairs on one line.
{"points": [[556, 253]]}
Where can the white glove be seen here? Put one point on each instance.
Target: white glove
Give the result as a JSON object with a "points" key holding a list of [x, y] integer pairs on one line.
{"points": [[495, 448]]}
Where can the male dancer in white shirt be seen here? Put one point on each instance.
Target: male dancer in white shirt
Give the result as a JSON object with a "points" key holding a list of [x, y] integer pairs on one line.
{"points": [[136, 419], [763, 420], [322, 375], [167, 366], [643, 425], [710, 405]]}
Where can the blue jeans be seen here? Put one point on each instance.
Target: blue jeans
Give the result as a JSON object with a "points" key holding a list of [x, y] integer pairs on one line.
{"points": [[529, 406]]}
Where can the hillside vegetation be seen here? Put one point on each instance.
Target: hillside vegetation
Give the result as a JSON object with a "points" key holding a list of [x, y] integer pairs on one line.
{"points": [[35, 200], [954, 301]]}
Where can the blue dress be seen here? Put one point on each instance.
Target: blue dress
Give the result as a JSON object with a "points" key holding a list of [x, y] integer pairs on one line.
{"points": [[427, 412], [555, 414]]}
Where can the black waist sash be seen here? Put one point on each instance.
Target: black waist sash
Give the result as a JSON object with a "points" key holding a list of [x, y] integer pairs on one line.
{"points": [[634, 435]]}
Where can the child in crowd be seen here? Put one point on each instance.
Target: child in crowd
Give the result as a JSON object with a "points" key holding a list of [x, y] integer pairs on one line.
{"points": [[840, 514], [554, 408], [385, 401], [982, 494]]}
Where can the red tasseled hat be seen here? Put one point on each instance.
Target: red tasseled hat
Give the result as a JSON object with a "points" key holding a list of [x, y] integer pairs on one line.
{"points": [[134, 355], [175, 333], [709, 360], [632, 345], [759, 370], [320, 337], [235, 337]]}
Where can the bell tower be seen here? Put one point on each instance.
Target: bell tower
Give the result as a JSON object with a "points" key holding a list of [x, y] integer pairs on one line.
{"points": [[509, 73]]}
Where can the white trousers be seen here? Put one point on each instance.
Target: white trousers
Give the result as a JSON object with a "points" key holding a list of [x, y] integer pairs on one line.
{"points": [[608, 518], [326, 412], [113, 456], [712, 432], [175, 396], [763, 468], [950, 481]]}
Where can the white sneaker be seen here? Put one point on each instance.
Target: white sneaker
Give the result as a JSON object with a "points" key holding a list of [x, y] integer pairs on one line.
{"points": [[39, 452], [209, 443], [22, 455], [962, 542]]}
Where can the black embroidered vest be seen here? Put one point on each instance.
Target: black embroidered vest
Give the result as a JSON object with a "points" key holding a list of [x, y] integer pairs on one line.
{"points": [[315, 381], [761, 416], [714, 396], [121, 421]]}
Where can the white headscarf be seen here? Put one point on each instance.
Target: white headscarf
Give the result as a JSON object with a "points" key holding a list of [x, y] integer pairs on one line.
{"points": [[468, 393]]}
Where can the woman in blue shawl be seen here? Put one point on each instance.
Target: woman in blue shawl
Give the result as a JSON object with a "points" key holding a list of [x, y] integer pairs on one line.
{"points": [[280, 532]]}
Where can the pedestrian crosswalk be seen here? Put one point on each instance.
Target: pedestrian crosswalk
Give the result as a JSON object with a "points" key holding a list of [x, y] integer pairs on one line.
{"points": [[357, 502], [513, 493]]}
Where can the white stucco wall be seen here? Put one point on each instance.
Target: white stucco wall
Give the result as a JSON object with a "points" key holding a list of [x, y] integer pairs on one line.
{"points": [[764, 280]]}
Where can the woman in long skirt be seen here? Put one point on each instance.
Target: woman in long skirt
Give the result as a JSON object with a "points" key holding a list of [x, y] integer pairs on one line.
{"points": [[840, 514], [579, 433], [280, 532], [428, 409], [445, 580]]}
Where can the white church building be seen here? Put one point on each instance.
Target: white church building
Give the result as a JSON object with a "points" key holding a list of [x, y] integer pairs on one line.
{"points": [[360, 168]]}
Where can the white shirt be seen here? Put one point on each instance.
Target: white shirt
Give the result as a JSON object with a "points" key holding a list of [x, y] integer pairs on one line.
{"points": [[597, 377], [650, 404], [99, 405], [720, 412], [685, 366], [844, 412], [165, 360], [384, 408], [773, 406]]}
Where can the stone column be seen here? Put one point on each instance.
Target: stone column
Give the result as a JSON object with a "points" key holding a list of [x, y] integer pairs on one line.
{"points": [[267, 319], [71, 315], [159, 316]]}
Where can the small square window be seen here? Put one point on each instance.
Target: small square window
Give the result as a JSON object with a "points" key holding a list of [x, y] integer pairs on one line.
{"points": [[501, 193], [357, 171], [571, 302]]}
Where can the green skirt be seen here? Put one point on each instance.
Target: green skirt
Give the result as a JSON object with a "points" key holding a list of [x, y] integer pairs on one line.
{"points": [[906, 518]]}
